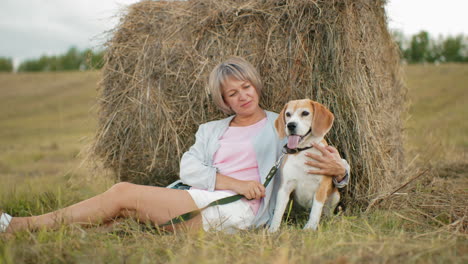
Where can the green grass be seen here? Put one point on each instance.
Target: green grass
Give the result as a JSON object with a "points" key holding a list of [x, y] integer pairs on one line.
{"points": [[48, 118]]}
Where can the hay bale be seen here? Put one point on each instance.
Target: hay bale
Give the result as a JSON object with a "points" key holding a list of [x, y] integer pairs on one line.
{"points": [[339, 53]]}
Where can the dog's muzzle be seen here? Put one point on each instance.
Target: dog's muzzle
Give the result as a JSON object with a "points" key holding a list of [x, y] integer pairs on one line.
{"points": [[292, 127]]}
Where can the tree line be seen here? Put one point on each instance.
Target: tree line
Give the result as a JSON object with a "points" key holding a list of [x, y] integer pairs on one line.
{"points": [[419, 48], [72, 60], [422, 48]]}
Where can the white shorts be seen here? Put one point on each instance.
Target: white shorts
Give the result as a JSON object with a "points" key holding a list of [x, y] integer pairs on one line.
{"points": [[229, 218]]}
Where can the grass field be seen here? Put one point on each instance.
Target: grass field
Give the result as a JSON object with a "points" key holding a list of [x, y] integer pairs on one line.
{"points": [[437, 120], [47, 119]]}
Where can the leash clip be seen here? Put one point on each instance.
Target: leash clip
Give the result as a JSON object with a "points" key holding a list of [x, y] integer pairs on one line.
{"points": [[280, 159]]}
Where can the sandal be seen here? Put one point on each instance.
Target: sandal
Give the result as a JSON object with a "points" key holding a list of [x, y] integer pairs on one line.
{"points": [[5, 220]]}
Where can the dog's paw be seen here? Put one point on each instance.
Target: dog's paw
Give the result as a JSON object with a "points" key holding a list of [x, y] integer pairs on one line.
{"points": [[312, 226], [273, 229]]}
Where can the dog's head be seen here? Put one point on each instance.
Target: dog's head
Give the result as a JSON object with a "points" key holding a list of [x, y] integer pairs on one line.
{"points": [[300, 118]]}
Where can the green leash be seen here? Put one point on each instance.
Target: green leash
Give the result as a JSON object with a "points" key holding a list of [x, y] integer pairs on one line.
{"points": [[225, 200]]}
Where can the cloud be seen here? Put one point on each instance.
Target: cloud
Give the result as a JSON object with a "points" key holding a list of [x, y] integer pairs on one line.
{"points": [[437, 17], [30, 28]]}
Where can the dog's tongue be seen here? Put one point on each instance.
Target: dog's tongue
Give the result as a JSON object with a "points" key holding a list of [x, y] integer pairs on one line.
{"points": [[293, 141]]}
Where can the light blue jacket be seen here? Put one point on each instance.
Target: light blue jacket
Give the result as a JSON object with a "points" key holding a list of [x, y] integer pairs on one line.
{"points": [[196, 165]]}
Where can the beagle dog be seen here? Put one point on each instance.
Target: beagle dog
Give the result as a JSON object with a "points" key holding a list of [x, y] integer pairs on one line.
{"points": [[304, 122]]}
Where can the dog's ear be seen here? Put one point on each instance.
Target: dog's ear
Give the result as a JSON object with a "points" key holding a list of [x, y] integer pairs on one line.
{"points": [[280, 123], [322, 120]]}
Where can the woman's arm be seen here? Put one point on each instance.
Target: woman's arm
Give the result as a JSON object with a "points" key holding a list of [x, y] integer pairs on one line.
{"points": [[194, 170], [250, 189], [329, 164]]}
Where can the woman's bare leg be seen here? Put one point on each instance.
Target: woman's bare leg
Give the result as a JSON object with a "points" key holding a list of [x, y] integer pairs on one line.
{"points": [[146, 203]]}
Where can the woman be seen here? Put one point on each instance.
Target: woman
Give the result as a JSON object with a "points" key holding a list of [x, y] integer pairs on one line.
{"points": [[231, 155]]}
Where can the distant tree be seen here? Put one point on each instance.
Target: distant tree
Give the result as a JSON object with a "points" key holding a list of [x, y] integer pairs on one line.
{"points": [[93, 59], [71, 60], [6, 64], [422, 48], [33, 65], [452, 49], [464, 51], [434, 51], [53, 64], [419, 48]]}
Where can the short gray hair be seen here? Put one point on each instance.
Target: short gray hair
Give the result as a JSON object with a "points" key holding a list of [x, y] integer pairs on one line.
{"points": [[237, 68]]}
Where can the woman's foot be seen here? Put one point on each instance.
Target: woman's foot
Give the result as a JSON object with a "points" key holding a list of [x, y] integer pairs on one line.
{"points": [[5, 220]]}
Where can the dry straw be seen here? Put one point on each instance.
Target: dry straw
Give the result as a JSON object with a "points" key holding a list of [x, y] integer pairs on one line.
{"points": [[437, 200], [153, 94]]}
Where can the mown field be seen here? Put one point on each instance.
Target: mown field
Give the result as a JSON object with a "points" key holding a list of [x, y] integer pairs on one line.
{"points": [[48, 119]]}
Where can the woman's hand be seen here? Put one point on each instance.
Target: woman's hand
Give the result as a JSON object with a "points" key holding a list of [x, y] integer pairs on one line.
{"points": [[329, 164], [250, 189]]}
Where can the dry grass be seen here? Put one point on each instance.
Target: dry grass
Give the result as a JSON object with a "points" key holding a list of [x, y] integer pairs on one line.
{"points": [[436, 129], [339, 53], [437, 141], [46, 120], [380, 238]]}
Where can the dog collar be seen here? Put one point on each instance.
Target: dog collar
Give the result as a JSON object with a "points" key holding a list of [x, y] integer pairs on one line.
{"points": [[294, 151]]}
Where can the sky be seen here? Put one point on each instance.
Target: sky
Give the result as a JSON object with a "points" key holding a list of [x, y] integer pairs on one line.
{"points": [[31, 28]]}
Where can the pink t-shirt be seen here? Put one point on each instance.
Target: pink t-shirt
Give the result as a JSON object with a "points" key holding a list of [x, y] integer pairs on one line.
{"points": [[236, 155]]}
